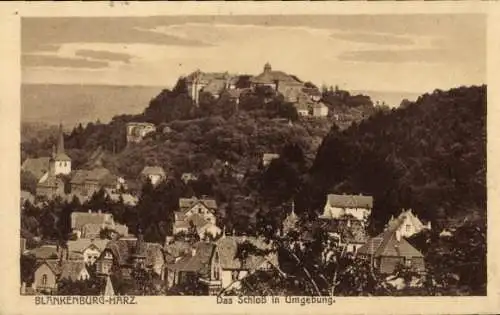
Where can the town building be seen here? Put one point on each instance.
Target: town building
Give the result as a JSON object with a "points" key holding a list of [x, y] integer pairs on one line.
{"points": [[407, 223], [388, 250], [45, 277], [87, 182], [358, 206], [89, 249], [188, 177], [279, 81], [197, 213], [50, 187], [136, 131], [74, 270], [348, 232], [210, 82], [233, 268], [90, 225], [320, 110], [267, 158], [128, 254], [200, 268], [155, 174]]}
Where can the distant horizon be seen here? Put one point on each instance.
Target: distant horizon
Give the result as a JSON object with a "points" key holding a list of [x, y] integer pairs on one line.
{"points": [[411, 52]]}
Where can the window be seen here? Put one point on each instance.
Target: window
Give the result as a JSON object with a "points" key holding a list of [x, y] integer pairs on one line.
{"points": [[234, 275], [408, 228], [44, 279], [408, 261]]}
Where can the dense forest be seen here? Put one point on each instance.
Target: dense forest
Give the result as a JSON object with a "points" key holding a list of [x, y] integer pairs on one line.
{"points": [[428, 155]]}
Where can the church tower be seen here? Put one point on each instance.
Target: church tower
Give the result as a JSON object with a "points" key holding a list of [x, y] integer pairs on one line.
{"points": [[61, 163]]}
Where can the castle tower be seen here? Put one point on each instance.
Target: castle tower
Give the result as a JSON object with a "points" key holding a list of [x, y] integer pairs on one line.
{"points": [[267, 67], [60, 161]]}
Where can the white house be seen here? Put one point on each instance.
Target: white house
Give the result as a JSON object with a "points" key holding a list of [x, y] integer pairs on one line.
{"points": [[155, 174], [338, 206], [408, 224]]}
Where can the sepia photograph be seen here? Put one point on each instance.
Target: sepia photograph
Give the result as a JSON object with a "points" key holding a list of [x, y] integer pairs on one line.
{"points": [[255, 155], [252, 158]]}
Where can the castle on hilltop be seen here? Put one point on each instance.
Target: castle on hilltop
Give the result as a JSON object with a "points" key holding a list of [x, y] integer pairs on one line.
{"points": [[306, 99]]}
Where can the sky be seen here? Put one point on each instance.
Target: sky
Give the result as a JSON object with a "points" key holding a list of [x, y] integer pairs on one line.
{"points": [[414, 53]]}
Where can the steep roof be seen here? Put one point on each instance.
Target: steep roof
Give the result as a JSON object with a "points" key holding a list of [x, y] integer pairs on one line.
{"points": [[81, 244], [123, 249], [176, 249], [405, 215], [71, 269], [227, 247], [199, 263], [51, 181], [270, 76], [53, 265], [387, 244], [98, 174], [153, 170], [36, 166], [44, 252], [350, 201], [186, 204], [79, 219]]}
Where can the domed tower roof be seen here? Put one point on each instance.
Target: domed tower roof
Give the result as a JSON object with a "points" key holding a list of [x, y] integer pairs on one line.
{"points": [[267, 67]]}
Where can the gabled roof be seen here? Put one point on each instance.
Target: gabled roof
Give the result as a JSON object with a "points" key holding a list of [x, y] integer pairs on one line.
{"points": [[61, 156], [387, 244], [71, 269], [100, 175], [350, 201], [186, 204], [36, 166], [51, 181], [53, 266], [153, 170], [79, 219], [199, 263], [44, 252], [405, 215], [123, 249], [227, 247], [176, 249], [81, 244]]}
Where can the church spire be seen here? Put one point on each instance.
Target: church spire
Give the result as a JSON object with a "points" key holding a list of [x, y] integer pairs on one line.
{"points": [[60, 142]]}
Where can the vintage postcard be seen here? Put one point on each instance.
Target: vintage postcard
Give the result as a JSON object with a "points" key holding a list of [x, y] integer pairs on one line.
{"points": [[250, 158]]}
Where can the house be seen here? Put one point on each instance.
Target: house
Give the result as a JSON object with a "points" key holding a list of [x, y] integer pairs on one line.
{"points": [[199, 213], [89, 224], [199, 267], [348, 232], [320, 110], [388, 250], [45, 277], [234, 268], [50, 186], [129, 254], [267, 158], [87, 182], [358, 206], [155, 174], [136, 131], [408, 223], [302, 109], [74, 270], [89, 249], [188, 177], [175, 249]]}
